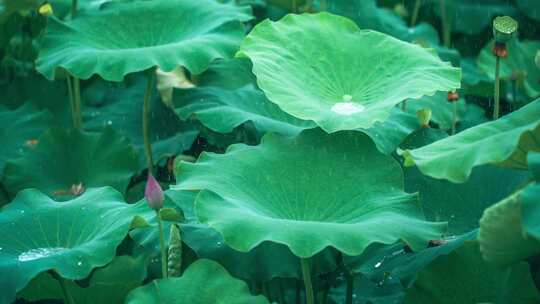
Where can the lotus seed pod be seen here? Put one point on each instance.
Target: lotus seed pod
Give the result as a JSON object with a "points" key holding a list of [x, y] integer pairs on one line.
{"points": [[174, 263], [153, 193], [504, 28], [424, 116], [46, 10]]}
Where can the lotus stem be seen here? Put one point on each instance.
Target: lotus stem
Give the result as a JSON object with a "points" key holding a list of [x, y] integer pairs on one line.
{"points": [[404, 105], [63, 285], [71, 101], [74, 4], [306, 273], [281, 291], [146, 118], [162, 246], [454, 117], [497, 87], [77, 102], [350, 287], [416, 10], [295, 6], [445, 24]]}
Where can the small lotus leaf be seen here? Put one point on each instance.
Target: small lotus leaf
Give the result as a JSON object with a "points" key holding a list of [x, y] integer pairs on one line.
{"points": [[203, 282]]}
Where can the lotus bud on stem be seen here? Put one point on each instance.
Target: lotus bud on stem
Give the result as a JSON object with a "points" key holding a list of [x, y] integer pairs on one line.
{"points": [[453, 98], [154, 197], [504, 29], [306, 273], [423, 116]]}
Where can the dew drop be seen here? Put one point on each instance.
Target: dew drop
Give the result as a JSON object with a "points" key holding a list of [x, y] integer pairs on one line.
{"points": [[347, 108], [38, 253], [109, 122]]}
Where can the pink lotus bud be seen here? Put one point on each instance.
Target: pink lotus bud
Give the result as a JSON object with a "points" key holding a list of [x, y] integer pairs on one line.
{"points": [[153, 193]]}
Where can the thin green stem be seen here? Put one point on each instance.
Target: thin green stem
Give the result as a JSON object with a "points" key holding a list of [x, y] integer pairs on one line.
{"points": [[146, 118], [67, 296], [497, 88], [350, 287], [281, 291], [454, 117], [74, 4], [162, 247], [404, 105], [306, 273], [416, 10], [77, 102], [71, 101], [295, 6], [445, 24]]}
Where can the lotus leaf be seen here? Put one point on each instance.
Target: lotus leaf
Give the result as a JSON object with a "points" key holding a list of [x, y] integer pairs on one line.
{"points": [[203, 282], [337, 75], [464, 277], [110, 284], [71, 237], [308, 193], [123, 38], [20, 130], [222, 110], [120, 108], [504, 142], [65, 159]]}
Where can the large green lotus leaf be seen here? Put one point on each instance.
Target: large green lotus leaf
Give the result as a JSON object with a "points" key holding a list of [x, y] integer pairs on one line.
{"points": [[263, 263], [337, 75], [443, 111], [20, 129], [122, 38], [380, 262], [120, 107], [505, 142], [472, 17], [71, 237], [110, 284], [204, 282], [309, 193], [531, 8], [530, 198], [520, 62], [223, 110], [464, 277], [65, 158]]}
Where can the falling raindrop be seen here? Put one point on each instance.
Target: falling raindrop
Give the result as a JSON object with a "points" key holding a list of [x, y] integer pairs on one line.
{"points": [[79, 263], [378, 264]]}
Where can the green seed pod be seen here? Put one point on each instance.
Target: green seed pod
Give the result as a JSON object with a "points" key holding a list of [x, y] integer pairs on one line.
{"points": [[504, 28], [174, 263]]}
